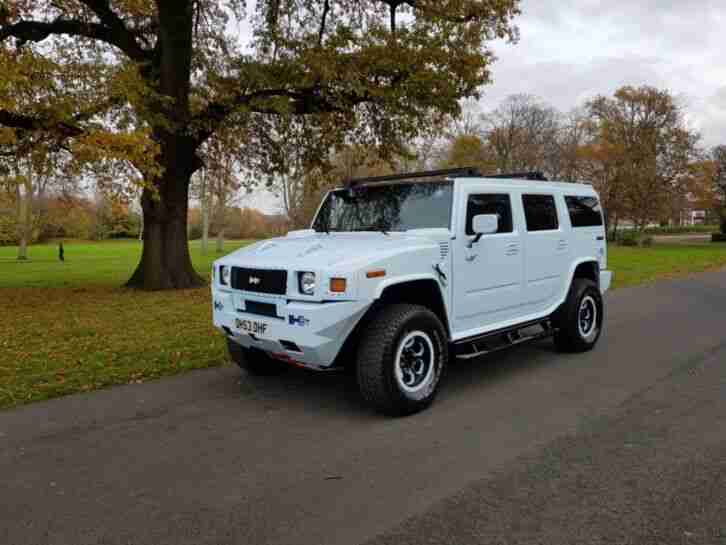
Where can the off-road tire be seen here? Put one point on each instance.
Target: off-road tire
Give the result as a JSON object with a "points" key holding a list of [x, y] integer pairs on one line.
{"points": [[569, 336], [255, 362], [377, 358]]}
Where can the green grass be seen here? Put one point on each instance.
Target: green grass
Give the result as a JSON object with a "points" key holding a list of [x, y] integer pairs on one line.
{"points": [[633, 266], [69, 327], [86, 264]]}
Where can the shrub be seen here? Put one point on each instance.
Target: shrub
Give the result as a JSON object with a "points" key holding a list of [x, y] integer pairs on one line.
{"points": [[718, 237], [680, 230], [633, 238], [195, 231]]}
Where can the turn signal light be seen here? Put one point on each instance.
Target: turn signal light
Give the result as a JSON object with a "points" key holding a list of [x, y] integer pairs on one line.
{"points": [[376, 274], [337, 285]]}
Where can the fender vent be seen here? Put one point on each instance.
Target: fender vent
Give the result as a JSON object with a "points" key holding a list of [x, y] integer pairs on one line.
{"points": [[444, 250]]}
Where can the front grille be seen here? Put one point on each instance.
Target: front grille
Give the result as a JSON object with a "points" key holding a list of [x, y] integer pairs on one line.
{"points": [[259, 281]]}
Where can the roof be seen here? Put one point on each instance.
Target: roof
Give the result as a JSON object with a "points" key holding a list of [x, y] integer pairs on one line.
{"points": [[519, 182], [470, 175]]}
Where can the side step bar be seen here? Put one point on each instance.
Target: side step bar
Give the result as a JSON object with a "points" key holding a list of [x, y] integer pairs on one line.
{"points": [[500, 339]]}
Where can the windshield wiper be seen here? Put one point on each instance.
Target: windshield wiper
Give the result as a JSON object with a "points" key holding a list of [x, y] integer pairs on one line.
{"points": [[380, 226]]}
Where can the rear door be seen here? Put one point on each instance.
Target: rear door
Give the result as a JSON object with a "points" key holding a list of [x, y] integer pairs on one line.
{"points": [[488, 276], [547, 250]]}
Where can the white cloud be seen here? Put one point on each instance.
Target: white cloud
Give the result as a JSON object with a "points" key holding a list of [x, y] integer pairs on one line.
{"points": [[571, 50]]}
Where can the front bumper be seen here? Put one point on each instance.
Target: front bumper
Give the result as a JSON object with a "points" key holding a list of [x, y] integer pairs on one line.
{"points": [[317, 329], [606, 278]]}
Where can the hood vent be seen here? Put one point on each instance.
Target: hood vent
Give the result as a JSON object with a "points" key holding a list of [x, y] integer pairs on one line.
{"points": [[444, 250]]}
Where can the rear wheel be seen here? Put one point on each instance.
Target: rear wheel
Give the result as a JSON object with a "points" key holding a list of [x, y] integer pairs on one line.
{"points": [[255, 362], [579, 321], [401, 359]]}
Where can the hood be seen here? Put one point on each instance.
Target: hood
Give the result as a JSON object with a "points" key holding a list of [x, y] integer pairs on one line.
{"points": [[316, 251]]}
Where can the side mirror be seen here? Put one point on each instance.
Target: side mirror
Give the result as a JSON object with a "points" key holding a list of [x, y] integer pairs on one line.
{"points": [[484, 224]]}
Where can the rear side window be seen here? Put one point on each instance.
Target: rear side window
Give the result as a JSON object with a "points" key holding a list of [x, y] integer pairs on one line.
{"points": [[584, 211], [540, 212], [498, 204]]}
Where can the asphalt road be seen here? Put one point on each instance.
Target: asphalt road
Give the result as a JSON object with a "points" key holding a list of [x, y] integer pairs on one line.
{"points": [[626, 444]]}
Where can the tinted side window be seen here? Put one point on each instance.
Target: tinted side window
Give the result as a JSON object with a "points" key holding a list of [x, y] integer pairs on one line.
{"points": [[541, 212], [584, 211], [498, 204]]}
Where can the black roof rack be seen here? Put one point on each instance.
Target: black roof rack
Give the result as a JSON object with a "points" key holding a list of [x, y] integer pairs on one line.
{"points": [[449, 172], [535, 175]]}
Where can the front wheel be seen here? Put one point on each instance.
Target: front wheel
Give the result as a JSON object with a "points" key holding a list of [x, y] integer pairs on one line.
{"points": [[580, 319], [401, 359]]}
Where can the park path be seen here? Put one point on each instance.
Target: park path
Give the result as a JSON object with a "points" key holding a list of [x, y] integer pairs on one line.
{"points": [[623, 444]]}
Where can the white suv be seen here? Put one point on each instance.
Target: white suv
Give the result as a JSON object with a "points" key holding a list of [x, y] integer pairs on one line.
{"points": [[398, 274]]}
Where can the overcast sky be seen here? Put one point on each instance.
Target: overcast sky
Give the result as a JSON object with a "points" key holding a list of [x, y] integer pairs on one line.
{"points": [[572, 50]]}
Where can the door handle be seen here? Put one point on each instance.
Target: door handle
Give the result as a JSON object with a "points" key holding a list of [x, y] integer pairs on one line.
{"points": [[512, 249], [562, 244]]}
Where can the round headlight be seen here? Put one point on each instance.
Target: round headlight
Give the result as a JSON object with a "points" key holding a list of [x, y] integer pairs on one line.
{"points": [[224, 274], [307, 283]]}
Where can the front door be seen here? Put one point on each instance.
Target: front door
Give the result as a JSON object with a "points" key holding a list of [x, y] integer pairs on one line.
{"points": [[488, 274]]}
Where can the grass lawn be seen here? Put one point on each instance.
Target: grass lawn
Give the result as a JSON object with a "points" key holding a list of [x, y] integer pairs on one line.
{"points": [[68, 327], [633, 266]]}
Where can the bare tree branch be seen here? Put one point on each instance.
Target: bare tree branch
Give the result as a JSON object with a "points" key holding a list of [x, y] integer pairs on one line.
{"points": [[302, 101], [29, 123], [426, 7], [323, 20], [116, 35]]}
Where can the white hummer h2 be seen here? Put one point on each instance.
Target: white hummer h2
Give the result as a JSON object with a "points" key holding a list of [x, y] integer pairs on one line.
{"points": [[398, 274]]}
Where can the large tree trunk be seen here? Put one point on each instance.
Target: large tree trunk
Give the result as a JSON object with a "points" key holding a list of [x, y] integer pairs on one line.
{"points": [[165, 260]]}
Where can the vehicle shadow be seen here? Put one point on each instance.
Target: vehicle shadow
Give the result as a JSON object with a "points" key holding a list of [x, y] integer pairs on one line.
{"points": [[337, 392]]}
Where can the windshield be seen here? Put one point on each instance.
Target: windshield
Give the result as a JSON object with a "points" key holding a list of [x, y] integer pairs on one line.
{"points": [[391, 207]]}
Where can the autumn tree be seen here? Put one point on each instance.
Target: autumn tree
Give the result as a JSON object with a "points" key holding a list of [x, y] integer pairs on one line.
{"points": [[520, 131], [563, 158], [305, 157], [170, 74], [223, 177], [468, 150], [718, 156], [201, 190], [645, 147]]}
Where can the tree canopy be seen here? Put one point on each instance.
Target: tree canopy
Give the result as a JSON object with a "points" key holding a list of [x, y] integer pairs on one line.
{"points": [[148, 83]]}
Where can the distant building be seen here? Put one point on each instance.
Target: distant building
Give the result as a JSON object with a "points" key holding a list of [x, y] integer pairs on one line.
{"points": [[693, 212]]}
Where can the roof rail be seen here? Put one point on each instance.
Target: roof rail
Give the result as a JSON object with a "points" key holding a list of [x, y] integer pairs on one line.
{"points": [[534, 175], [449, 172]]}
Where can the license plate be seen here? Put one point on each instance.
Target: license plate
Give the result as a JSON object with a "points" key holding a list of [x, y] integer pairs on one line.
{"points": [[251, 326]]}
